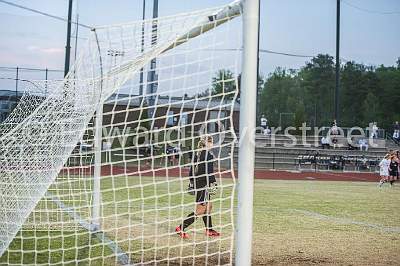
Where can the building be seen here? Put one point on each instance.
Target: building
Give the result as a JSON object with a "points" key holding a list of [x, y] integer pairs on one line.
{"points": [[124, 110], [8, 100], [170, 111]]}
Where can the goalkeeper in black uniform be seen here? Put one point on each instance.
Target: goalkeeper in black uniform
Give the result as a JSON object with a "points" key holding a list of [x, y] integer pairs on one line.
{"points": [[204, 185]]}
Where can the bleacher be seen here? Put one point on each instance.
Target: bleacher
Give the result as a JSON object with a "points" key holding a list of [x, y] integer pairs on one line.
{"points": [[279, 152]]}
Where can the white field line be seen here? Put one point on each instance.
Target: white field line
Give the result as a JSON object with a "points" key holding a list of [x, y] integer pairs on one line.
{"points": [[320, 216], [122, 257]]}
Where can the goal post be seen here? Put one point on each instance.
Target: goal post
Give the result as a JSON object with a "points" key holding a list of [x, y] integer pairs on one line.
{"points": [[98, 146], [248, 102], [87, 176]]}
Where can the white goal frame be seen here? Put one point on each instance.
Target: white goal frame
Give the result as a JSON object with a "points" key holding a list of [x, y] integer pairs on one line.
{"points": [[247, 122]]}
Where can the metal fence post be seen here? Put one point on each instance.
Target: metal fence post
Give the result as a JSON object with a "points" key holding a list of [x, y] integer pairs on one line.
{"points": [[16, 86]]}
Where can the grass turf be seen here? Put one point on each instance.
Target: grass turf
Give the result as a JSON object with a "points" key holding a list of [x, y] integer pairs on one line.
{"points": [[295, 222], [311, 222]]}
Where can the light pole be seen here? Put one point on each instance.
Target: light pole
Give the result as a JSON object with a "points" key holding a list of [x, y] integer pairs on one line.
{"points": [[142, 50], [115, 54], [68, 46], [337, 60], [16, 86], [258, 67], [152, 76]]}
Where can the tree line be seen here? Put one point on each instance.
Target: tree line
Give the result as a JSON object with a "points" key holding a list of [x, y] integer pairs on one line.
{"points": [[290, 97]]}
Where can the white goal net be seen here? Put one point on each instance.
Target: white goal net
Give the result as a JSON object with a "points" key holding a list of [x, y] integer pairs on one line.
{"points": [[94, 169]]}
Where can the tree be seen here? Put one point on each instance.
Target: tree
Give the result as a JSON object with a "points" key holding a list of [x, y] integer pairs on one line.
{"points": [[370, 109], [318, 81], [388, 93], [224, 83], [280, 94], [353, 90], [367, 94], [205, 93], [299, 115]]}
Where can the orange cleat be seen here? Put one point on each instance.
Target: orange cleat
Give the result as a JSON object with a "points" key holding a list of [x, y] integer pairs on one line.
{"points": [[212, 232], [181, 233]]}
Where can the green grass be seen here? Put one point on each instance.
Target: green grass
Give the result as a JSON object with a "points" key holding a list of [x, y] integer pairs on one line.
{"points": [[296, 222], [307, 222]]}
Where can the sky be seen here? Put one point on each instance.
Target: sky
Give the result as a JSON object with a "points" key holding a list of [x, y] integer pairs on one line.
{"points": [[369, 35]]}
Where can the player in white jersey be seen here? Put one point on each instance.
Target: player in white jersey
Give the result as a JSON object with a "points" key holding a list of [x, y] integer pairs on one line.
{"points": [[384, 169]]}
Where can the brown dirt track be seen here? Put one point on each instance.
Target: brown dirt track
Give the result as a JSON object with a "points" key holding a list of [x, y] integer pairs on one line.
{"points": [[320, 176], [259, 173]]}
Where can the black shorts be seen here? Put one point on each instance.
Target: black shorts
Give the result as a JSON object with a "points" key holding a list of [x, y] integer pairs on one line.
{"points": [[202, 196], [393, 173]]}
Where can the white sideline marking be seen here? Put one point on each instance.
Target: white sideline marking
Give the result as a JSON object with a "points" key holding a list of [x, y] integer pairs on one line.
{"points": [[348, 221], [122, 257]]}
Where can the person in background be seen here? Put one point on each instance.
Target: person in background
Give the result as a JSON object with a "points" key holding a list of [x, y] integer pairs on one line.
{"points": [[396, 131], [374, 132], [334, 142], [177, 154], [170, 154], [264, 123], [146, 150], [190, 154], [384, 169], [364, 162], [267, 131], [334, 128], [363, 143], [398, 164], [325, 142], [351, 144], [393, 168]]}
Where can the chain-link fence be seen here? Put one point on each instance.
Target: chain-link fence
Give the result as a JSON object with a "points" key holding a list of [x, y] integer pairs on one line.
{"points": [[15, 80]]}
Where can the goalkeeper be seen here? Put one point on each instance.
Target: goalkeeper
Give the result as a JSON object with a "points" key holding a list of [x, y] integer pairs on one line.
{"points": [[204, 185]]}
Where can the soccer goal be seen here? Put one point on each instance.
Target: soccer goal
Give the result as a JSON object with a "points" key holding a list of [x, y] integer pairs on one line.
{"points": [[100, 168]]}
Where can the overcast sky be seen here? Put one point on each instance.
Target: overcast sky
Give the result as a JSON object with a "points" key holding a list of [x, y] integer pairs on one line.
{"points": [[370, 36]]}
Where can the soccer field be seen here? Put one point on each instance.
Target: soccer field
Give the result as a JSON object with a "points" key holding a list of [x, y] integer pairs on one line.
{"points": [[295, 222], [322, 222]]}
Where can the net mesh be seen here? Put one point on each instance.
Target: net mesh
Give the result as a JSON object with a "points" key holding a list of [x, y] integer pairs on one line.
{"points": [[95, 168]]}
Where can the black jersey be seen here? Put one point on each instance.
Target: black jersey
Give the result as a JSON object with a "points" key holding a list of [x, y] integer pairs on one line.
{"points": [[393, 168], [204, 169]]}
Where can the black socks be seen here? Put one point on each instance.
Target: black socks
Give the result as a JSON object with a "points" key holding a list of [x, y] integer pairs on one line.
{"points": [[192, 217], [188, 221], [207, 221]]}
